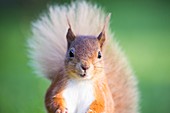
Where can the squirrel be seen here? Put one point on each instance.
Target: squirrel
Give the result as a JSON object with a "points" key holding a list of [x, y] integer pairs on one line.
{"points": [[74, 48]]}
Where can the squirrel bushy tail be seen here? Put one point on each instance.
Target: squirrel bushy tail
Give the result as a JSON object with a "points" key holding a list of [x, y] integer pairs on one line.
{"points": [[48, 47], [48, 44]]}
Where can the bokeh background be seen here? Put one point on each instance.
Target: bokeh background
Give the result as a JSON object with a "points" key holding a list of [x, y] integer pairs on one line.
{"points": [[142, 28]]}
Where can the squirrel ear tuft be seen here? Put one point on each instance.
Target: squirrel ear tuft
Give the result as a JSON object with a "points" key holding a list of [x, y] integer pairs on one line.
{"points": [[70, 35], [101, 38]]}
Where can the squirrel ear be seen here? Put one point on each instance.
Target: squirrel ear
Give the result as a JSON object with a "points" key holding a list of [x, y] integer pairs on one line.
{"points": [[101, 38], [70, 35]]}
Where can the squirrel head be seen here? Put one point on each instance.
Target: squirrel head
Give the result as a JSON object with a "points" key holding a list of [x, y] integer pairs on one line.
{"points": [[84, 55]]}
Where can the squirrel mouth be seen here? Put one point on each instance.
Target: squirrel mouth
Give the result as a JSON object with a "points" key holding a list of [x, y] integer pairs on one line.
{"points": [[83, 75]]}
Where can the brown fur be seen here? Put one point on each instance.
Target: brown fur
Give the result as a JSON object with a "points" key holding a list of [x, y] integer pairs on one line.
{"points": [[86, 48], [86, 51], [53, 98], [113, 77]]}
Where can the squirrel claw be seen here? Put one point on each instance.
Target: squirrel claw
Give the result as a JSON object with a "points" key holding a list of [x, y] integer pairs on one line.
{"points": [[90, 111], [61, 110]]}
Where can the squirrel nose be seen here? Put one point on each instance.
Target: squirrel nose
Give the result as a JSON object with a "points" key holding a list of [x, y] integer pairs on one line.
{"points": [[85, 67]]}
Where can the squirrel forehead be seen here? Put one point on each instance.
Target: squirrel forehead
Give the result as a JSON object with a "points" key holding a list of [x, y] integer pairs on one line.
{"points": [[85, 45], [89, 43]]}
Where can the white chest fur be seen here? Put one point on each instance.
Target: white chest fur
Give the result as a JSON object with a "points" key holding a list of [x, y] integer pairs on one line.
{"points": [[78, 96]]}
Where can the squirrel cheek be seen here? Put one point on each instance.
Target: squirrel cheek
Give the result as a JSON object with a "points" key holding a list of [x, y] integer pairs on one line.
{"points": [[91, 67]]}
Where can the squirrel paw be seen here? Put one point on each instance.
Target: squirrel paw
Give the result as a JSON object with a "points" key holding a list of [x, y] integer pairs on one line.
{"points": [[91, 111], [61, 110]]}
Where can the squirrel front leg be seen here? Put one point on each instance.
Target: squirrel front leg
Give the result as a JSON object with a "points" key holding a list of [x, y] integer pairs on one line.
{"points": [[59, 104], [96, 107], [54, 100], [56, 103]]}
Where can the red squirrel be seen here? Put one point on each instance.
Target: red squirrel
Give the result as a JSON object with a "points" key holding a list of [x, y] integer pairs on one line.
{"points": [[73, 47]]}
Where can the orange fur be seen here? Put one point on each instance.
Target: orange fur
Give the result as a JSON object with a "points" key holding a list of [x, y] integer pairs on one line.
{"points": [[114, 84], [103, 100], [87, 54], [54, 99]]}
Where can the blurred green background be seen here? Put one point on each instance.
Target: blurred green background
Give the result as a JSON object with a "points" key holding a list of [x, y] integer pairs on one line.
{"points": [[142, 28]]}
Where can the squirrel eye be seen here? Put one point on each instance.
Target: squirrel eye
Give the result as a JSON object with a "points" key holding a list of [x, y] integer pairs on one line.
{"points": [[99, 55], [71, 52]]}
